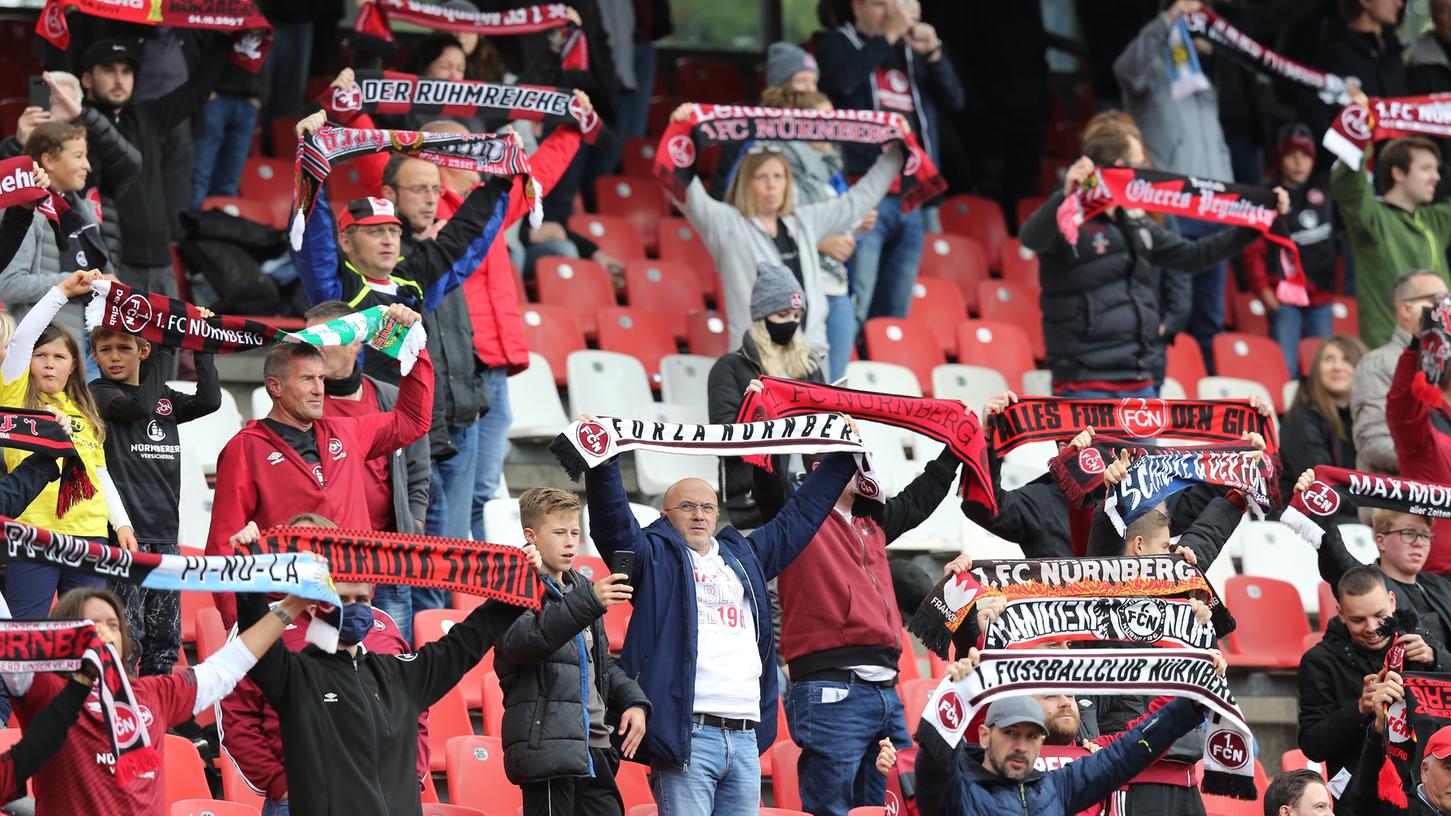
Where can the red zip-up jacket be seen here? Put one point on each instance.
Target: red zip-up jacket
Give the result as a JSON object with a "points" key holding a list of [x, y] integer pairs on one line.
{"points": [[1422, 433], [261, 478], [248, 727]]}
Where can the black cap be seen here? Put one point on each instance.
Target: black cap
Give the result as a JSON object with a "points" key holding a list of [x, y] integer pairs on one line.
{"points": [[107, 52]]}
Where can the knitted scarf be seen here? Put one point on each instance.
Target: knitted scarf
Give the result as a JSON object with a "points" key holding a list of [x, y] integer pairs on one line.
{"points": [[1425, 710], [950, 604], [588, 444], [373, 21], [1435, 352], [1356, 126], [1312, 509], [1186, 76], [28, 646], [1149, 621], [1155, 477], [175, 323], [39, 432], [483, 152], [946, 421], [390, 92], [718, 124], [1080, 472], [1053, 419], [17, 182], [252, 38], [1236, 44], [1228, 748]]}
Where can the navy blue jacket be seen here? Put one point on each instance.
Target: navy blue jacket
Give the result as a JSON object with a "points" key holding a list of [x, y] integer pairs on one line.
{"points": [[660, 645], [947, 787]]}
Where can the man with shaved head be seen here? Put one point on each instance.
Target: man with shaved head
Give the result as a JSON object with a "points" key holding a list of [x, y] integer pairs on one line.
{"points": [[700, 641]]}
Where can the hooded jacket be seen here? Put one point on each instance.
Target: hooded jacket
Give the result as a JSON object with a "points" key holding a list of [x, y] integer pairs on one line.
{"points": [[1422, 434]]}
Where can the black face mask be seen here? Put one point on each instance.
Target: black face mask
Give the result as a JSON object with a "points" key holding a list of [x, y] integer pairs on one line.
{"points": [[345, 387], [781, 333]]}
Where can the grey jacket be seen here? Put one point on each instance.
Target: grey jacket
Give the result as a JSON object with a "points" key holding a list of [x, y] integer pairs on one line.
{"points": [[1181, 135], [37, 266], [408, 468], [737, 243], [1374, 449]]}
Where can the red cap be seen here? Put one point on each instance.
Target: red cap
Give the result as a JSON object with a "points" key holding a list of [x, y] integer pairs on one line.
{"points": [[364, 211], [1294, 138], [1439, 745]]}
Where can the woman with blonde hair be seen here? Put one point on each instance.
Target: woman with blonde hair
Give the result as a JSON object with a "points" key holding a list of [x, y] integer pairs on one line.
{"points": [[1317, 429]]}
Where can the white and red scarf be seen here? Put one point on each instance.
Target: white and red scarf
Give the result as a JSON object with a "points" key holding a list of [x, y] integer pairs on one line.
{"points": [[250, 42], [374, 18], [1356, 126]]}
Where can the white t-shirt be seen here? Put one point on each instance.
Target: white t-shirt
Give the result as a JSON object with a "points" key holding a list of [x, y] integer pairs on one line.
{"points": [[727, 664]]}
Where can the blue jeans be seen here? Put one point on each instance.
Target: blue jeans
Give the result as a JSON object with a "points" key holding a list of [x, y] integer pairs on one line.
{"points": [[1289, 324], [838, 740], [30, 587], [840, 334], [287, 66], [271, 808], [721, 778], [1148, 392], [534, 252], [451, 494], [493, 443], [884, 267], [221, 147], [1206, 314], [397, 601]]}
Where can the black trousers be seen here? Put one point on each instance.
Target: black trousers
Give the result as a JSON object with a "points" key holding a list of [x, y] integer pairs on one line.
{"points": [[578, 795]]}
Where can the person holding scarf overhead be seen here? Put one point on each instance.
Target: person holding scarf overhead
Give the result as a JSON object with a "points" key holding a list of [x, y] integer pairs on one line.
{"points": [[1418, 414]]}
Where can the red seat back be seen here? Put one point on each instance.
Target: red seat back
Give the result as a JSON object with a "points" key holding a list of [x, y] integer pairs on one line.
{"points": [[679, 242], [1019, 264], [958, 259], [905, 343], [1014, 303], [997, 345], [1185, 363], [637, 158], [1249, 357], [637, 199], [211, 807], [1345, 316], [638, 333], [476, 776], [708, 80], [976, 217], [448, 719], [583, 287], [667, 289], [553, 332], [615, 235], [1276, 607], [706, 334], [269, 181], [259, 211], [785, 781], [938, 305], [186, 774]]}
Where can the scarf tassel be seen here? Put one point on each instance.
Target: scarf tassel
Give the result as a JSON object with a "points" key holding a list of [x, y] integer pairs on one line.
{"points": [[75, 486], [1389, 786], [568, 458], [137, 762], [1235, 786], [1424, 390], [927, 626]]}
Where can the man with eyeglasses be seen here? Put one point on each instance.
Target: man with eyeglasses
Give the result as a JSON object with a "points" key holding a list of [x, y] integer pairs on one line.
{"points": [[700, 641], [1412, 293]]}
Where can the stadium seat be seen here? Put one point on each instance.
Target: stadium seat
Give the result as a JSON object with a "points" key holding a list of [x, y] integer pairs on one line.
{"points": [[998, 345], [907, 666], [234, 787], [493, 705], [502, 517], [633, 780], [1250, 357], [1223, 388], [955, 258], [1295, 760], [608, 384], [591, 567], [440, 809], [1290, 391], [970, 384], [186, 774], [639, 333], [637, 158], [1328, 606], [208, 434], [1250, 315], [785, 783], [448, 719], [258, 211], [1172, 390], [1345, 316], [940, 306], [683, 382], [211, 635], [1013, 303], [978, 218], [1019, 264], [284, 137], [658, 115], [346, 184], [1273, 550], [617, 623], [211, 807], [534, 401], [706, 334], [667, 289], [1308, 348], [1265, 600], [1184, 361], [679, 242], [1027, 206], [636, 199], [553, 332], [708, 80], [191, 603], [10, 110], [269, 181], [905, 343], [476, 776], [914, 700], [1360, 541], [615, 235], [886, 378], [583, 287]]}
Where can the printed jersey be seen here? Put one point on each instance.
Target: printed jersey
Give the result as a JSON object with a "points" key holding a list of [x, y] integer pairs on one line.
{"points": [[87, 517], [727, 664]]}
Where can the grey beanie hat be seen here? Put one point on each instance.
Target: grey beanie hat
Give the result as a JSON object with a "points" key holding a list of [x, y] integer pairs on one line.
{"points": [[785, 60], [776, 289]]}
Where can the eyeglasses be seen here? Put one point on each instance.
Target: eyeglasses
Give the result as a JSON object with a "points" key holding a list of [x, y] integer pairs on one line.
{"points": [[420, 189], [691, 507], [1409, 536]]}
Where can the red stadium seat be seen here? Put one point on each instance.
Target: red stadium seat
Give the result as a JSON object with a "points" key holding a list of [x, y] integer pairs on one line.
{"points": [[669, 290], [493, 695], [706, 334], [440, 809], [1018, 263], [583, 287], [553, 332], [914, 700], [234, 788], [448, 719], [1276, 645], [637, 199], [938, 304], [978, 218], [708, 80], [1185, 363], [638, 157], [284, 137], [1345, 316], [1329, 607], [186, 774], [617, 623], [1028, 206], [1309, 346], [258, 211], [346, 184], [906, 343], [211, 635], [476, 776], [1249, 357], [1250, 314], [679, 242], [997, 345], [1013, 303], [430, 625], [1295, 760], [785, 782], [658, 116], [867, 810], [908, 668], [269, 180], [615, 236], [191, 603], [956, 258], [211, 807], [638, 333], [633, 780]]}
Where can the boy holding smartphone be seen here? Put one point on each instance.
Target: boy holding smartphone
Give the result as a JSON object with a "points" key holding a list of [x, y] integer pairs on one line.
{"points": [[558, 678]]}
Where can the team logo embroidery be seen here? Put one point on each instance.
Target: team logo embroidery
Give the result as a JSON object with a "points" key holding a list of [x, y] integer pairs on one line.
{"points": [[335, 448], [1090, 460], [949, 710], [593, 438], [135, 313], [897, 81], [317, 474], [330, 697], [347, 100], [275, 457], [1142, 417], [1355, 119], [587, 121], [1321, 499], [681, 150], [797, 301], [1228, 749], [163, 407]]}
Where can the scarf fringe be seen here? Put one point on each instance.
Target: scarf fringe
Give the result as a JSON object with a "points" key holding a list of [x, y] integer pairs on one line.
{"points": [[568, 458], [1219, 783], [75, 486], [413, 344], [927, 626], [1388, 785], [137, 762]]}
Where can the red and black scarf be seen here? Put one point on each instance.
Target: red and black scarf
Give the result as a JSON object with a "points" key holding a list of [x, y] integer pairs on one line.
{"points": [[28, 646], [389, 92], [374, 18], [1240, 46], [1435, 353], [1410, 723], [252, 38], [1052, 419], [717, 124], [1357, 126], [174, 323], [40, 433], [17, 183], [1311, 510], [946, 421]]}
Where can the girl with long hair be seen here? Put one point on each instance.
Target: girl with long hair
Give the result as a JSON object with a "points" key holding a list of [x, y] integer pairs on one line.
{"points": [[1317, 429]]}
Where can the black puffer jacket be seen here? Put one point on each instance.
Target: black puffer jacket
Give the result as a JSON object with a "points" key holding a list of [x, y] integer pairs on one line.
{"points": [[1100, 304], [538, 661]]}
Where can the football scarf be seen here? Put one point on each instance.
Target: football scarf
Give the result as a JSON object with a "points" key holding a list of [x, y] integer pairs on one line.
{"points": [[374, 21], [1055, 419], [718, 124], [1312, 509], [1148, 621], [1410, 723], [950, 604], [1080, 472], [1228, 748], [1155, 477], [1231, 41], [1435, 345], [40, 433], [1354, 129], [17, 182], [393, 93], [167, 321], [587, 444], [250, 42], [28, 646], [1186, 77], [946, 421], [483, 152]]}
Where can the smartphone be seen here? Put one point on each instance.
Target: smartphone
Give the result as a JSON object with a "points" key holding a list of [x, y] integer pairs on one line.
{"points": [[623, 563], [39, 93]]}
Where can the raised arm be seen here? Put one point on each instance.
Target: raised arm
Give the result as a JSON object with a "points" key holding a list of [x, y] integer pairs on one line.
{"points": [[1354, 196], [780, 540], [612, 526], [1408, 417], [219, 674], [918, 500], [44, 736], [537, 634], [411, 415], [317, 262], [22, 342], [838, 214], [1092, 778], [1134, 69], [443, 264]]}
